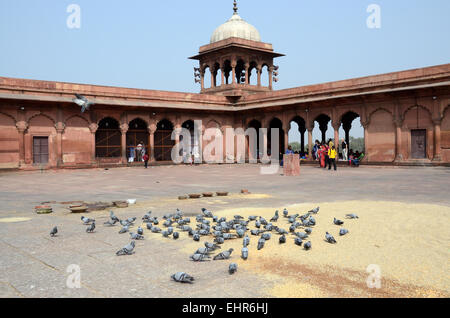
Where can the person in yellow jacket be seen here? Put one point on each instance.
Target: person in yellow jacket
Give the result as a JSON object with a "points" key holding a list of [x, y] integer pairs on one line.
{"points": [[332, 153]]}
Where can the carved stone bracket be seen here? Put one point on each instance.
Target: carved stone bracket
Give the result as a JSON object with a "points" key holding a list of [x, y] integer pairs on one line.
{"points": [[124, 128], [60, 127], [93, 128], [22, 126]]}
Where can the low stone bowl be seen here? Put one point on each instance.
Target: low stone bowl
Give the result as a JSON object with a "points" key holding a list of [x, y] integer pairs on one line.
{"points": [[182, 197], [78, 208], [222, 194], [208, 194], [195, 196], [120, 204], [43, 209]]}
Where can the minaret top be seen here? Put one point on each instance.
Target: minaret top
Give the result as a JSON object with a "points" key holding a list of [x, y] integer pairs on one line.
{"points": [[235, 7]]}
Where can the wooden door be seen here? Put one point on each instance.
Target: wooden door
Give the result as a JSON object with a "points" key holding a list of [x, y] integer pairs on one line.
{"points": [[419, 144], [40, 150]]}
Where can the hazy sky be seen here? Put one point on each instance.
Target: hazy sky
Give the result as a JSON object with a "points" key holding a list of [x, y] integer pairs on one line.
{"points": [[146, 43]]}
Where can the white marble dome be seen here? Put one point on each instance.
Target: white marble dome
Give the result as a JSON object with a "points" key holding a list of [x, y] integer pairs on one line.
{"points": [[236, 27]]}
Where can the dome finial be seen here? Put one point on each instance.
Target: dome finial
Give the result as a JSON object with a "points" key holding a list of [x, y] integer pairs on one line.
{"points": [[235, 7]]}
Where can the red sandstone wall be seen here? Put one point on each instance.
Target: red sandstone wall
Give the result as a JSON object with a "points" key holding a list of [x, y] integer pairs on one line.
{"points": [[76, 142], [381, 143], [9, 143]]}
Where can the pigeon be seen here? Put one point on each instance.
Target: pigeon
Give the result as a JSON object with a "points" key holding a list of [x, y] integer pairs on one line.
{"points": [[315, 211], [212, 246], [182, 277], [228, 236], [203, 250], [219, 240], [282, 239], [285, 213], [252, 218], [149, 226], [292, 228], [301, 235], [244, 253], [351, 216], [223, 255], [329, 238], [54, 231], [238, 217], [176, 235], [254, 232], [155, 221], [196, 237], [165, 233], [110, 222], [298, 241], [140, 231], [281, 231], [337, 222], [266, 236], [261, 242], [135, 236], [113, 217], [156, 229], [127, 250], [342, 232], [312, 221], [83, 102], [307, 245], [199, 257], [257, 224], [147, 216], [131, 220], [124, 229], [262, 220], [240, 233], [275, 217], [308, 230], [246, 241], [206, 213], [87, 221], [170, 230], [124, 223], [232, 268], [91, 228]]}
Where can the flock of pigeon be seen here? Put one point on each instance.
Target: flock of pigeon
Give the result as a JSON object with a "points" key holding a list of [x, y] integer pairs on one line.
{"points": [[221, 229]]}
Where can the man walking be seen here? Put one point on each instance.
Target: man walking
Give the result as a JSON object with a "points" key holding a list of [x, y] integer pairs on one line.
{"points": [[332, 157]]}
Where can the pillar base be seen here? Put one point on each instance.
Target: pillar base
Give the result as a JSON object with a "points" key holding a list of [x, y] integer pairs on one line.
{"points": [[437, 158]]}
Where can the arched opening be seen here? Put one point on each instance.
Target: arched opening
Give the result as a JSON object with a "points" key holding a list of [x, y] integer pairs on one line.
{"points": [[322, 125], [108, 139], [297, 133], [277, 124], [418, 128], [253, 74], [265, 76], [207, 77], [240, 72], [163, 141], [353, 133], [137, 140], [257, 126]]}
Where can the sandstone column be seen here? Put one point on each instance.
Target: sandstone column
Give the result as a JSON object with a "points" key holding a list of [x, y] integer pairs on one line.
{"points": [[93, 128], [124, 130], [259, 70], [336, 136], [247, 77], [151, 142], [310, 141], [59, 131], [22, 127], [270, 77], [233, 73], [398, 139], [437, 139], [366, 140]]}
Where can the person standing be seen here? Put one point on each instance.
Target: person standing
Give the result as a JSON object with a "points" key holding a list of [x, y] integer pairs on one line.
{"points": [[332, 157], [139, 152], [146, 158], [344, 150], [327, 158]]}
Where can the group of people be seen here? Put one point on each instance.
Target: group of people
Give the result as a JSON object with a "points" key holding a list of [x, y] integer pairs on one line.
{"points": [[327, 154], [139, 154]]}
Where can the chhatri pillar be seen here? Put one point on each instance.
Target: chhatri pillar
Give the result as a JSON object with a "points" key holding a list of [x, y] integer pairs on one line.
{"points": [[22, 127], [151, 141], [398, 139], [310, 128], [93, 128], [59, 126]]}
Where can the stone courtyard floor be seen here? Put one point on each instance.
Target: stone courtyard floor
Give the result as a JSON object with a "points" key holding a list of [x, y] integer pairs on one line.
{"points": [[403, 230]]}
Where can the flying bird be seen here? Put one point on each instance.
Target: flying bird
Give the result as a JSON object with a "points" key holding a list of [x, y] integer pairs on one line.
{"points": [[83, 102]]}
